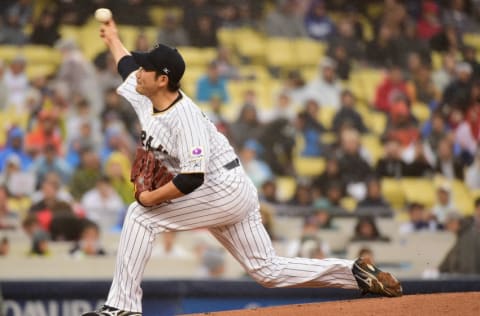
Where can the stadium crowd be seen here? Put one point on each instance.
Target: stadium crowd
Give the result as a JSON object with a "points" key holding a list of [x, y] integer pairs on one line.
{"points": [[65, 162]]}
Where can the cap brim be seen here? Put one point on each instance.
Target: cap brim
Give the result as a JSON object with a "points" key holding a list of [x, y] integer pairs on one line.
{"points": [[143, 61]]}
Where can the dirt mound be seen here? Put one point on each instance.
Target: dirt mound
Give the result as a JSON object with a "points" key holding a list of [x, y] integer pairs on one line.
{"points": [[445, 304]]}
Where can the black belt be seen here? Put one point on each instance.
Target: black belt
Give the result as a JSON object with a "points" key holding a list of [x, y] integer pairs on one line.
{"points": [[232, 164]]}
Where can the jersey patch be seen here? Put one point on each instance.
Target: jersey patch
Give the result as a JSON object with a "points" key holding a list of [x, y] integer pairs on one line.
{"points": [[196, 152]]}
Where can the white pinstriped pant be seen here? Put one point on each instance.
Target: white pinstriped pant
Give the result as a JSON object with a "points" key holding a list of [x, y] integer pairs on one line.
{"points": [[228, 207]]}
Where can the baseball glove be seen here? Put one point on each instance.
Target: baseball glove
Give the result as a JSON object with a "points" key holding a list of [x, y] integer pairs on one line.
{"points": [[148, 173]]}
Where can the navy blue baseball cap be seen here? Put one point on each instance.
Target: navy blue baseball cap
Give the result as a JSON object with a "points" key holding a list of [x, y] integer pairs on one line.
{"points": [[163, 59]]}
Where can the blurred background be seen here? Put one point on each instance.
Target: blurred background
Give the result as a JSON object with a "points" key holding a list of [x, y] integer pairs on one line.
{"points": [[358, 121]]}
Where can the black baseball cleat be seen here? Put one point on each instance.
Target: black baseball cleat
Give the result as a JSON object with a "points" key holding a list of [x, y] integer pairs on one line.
{"points": [[372, 280], [111, 311]]}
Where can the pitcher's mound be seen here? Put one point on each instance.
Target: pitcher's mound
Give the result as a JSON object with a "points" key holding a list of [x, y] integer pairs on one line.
{"points": [[465, 304]]}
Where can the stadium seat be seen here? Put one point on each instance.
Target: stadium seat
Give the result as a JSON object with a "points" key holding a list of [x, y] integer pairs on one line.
{"points": [[419, 190], [421, 111], [197, 57], [288, 227], [280, 53], [38, 70], [286, 187], [373, 146], [472, 39], [348, 203], [326, 115], [9, 52], [462, 197], [309, 167], [70, 32], [393, 192], [308, 52], [227, 37], [336, 240], [250, 44], [378, 122]]}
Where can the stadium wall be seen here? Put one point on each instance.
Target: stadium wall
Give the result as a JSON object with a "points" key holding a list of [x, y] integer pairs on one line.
{"points": [[173, 297]]}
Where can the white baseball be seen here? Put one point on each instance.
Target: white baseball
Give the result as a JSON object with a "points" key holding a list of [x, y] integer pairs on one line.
{"points": [[103, 15]]}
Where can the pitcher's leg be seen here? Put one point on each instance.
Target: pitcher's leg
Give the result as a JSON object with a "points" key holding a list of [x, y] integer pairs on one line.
{"points": [[250, 244], [134, 251]]}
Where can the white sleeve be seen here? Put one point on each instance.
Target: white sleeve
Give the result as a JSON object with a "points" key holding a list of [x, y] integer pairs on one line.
{"points": [[193, 141], [139, 102]]}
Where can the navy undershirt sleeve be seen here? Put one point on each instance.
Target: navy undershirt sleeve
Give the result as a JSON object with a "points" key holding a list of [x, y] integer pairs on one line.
{"points": [[126, 65], [188, 182]]}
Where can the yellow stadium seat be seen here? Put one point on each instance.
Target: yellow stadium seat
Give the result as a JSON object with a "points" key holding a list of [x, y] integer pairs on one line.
{"points": [[475, 194], [378, 122], [280, 53], [309, 167], [462, 197], [227, 37], [41, 54], [472, 39], [348, 203], [372, 144], [197, 56], [421, 111], [436, 60], [419, 190], [70, 32], [328, 138], [250, 44], [326, 115], [9, 52], [308, 52], [393, 192], [309, 73], [286, 187], [34, 70]]}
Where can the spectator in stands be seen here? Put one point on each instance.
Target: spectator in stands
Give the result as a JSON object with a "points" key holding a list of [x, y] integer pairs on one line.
{"points": [[89, 243], [366, 230], [390, 88], [391, 164], [17, 16], [465, 127], [103, 205], [172, 32], [46, 132], [107, 74], [268, 192], [79, 74], [256, 169], [423, 86], [17, 83], [344, 63], [87, 173], [216, 116], [40, 244], [330, 174], [117, 169], [429, 24], [50, 161], [45, 28], [457, 94], [420, 165], [15, 146], [212, 85], [303, 195], [142, 43], [116, 140], [247, 125], [225, 63], [458, 18], [434, 130], [9, 220], [419, 220], [447, 164], [3, 87], [318, 24], [213, 263], [401, 123], [326, 89], [50, 207], [472, 174], [192, 11], [374, 204], [320, 219], [446, 74], [206, 33], [4, 250], [408, 43], [346, 38], [117, 110], [283, 109], [285, 21], [63, 193], [168, 248], [353, 167], [443, 205], [347, 116], [464, 257], [311, 129], [469, 54], [334, 194], [382, 50], [313, 247], [294, 86]]}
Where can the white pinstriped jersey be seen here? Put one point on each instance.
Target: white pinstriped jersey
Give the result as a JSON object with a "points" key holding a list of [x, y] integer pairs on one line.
{"points": [[183, 137]]}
